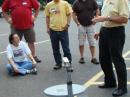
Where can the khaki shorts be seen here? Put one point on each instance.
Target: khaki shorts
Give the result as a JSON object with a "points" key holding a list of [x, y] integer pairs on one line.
{"points": [[29, 34], [86, 32]]}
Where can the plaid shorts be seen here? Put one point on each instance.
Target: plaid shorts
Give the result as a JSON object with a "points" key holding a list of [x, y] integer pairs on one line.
{"points": [[86, 32]]}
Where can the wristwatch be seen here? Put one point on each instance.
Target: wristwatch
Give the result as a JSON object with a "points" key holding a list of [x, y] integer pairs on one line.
{"points": [[108, 18]]}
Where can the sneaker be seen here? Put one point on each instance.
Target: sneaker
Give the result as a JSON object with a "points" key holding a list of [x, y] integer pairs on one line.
{"points": [[94, 61], [81, 61], [57, 67], [32, 71], [37, 60]]}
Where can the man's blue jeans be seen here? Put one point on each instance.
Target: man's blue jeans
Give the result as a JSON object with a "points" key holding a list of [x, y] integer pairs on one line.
{"points": [[58, 37], [22, 67]]}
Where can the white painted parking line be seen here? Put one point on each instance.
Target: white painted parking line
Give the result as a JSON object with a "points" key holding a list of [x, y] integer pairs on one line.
{"points": [[126, 54], [127, 59], [40, 42], [2, 52], [93, 80], [1, 35], [99, 83]]}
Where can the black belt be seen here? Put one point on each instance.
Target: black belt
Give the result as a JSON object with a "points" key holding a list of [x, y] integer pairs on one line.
{"points": [[110, 28]]}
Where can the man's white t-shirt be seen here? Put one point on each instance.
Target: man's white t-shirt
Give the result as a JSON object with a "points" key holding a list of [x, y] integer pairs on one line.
{"points": [[18, 54]]}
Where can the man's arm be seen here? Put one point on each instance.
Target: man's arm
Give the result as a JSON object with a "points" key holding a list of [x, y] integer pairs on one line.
{"points": [[68, 14], [69, 19], [7, 17], [115, 19], [36, 12], [123, 14], [118, 19], [5, 10], [10, 58], [36, 7], [48, 24], [75, 19], [11, 62], [28, 52], [47, 13], [32, 59]]}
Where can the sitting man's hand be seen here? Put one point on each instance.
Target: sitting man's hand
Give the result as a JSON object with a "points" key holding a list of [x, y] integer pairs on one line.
{"points": [[16, 70]]}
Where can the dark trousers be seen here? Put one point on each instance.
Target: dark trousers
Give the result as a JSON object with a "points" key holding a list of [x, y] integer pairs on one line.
{"points": [[58, 37], [111, 45]]}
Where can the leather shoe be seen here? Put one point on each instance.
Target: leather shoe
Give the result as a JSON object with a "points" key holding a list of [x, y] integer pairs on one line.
{"points": [[103, 86], [57, 67], [119, 92]]}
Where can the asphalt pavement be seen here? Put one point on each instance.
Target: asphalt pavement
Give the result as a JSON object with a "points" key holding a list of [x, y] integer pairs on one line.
{"points": [[87, 74]]}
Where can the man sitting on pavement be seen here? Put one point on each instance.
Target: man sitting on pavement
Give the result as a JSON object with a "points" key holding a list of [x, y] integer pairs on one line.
{"points": [[17, 52]]}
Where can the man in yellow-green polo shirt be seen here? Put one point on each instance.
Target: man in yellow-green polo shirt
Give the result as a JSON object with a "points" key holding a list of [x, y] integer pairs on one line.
{"points": [[114, 17], [58, 16]]}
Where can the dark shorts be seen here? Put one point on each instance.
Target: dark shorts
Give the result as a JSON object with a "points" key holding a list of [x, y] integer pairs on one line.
{"points": [[29, 34]]}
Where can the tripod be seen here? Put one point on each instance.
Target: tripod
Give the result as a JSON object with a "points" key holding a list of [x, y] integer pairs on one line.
{"points": [[65, 90]]}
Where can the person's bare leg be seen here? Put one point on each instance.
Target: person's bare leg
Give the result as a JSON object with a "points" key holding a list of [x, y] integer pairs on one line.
{"points": [[32, 48], [93, 53], [81, 50]]}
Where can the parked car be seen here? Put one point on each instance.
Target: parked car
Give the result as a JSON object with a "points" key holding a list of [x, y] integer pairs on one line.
{"points": [[1, 2], [0, 12]]}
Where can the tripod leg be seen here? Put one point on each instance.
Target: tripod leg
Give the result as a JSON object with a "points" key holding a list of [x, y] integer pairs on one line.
{"points": [[69, 83]]}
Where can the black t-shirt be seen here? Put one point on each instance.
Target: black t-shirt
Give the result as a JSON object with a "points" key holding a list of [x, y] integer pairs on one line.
{"points": [[85, 11]]}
